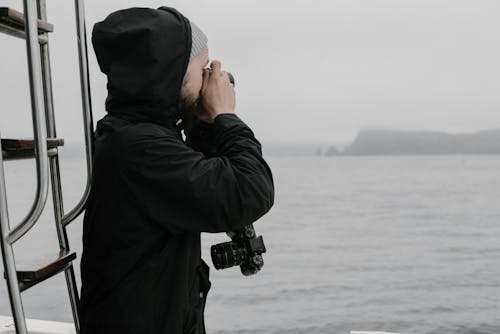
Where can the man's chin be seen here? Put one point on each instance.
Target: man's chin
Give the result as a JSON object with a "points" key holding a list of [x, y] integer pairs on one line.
{"points": [[186, 109]]}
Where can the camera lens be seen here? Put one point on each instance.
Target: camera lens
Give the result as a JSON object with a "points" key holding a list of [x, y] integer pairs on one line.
{"points": [[227, 254], [231, 78]]}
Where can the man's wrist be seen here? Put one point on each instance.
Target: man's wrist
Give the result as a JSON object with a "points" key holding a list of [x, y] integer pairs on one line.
{"points": [[219, 118]]}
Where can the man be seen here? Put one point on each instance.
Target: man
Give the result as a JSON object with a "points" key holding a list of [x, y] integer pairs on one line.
{"points": [[153, 193]]}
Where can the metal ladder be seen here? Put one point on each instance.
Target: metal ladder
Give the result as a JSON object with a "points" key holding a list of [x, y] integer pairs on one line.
{"points": [[33, 27]]}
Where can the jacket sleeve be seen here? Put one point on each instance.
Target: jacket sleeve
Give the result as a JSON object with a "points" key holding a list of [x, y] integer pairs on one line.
{"points": [[200, 137], [186, 191]]}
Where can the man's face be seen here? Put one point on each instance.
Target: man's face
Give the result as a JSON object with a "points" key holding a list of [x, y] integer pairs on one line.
{"points": [[193, 80]]}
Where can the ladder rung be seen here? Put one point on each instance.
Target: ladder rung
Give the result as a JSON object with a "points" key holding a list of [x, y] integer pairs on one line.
{"points": [[12, 19], [13, 149], [28, 278]]}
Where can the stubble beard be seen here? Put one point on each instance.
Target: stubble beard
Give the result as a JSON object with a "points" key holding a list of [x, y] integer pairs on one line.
{"points": [[187, 106]]}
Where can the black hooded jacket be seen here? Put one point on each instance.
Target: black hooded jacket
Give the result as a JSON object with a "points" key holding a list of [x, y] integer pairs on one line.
{"points": [[153, 193]]}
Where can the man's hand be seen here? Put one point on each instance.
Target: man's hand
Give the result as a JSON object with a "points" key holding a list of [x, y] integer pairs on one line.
{"points": [[217, 94]]}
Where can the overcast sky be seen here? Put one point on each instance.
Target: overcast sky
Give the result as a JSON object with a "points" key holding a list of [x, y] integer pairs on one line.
{"points": [[311, 70]]}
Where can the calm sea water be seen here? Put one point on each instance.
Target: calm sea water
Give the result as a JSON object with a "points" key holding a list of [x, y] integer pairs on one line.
{"points": [[404, 244]]}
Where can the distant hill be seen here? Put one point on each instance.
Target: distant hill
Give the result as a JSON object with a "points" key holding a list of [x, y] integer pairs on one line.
{"points": [[382, 142], [294, 148]]}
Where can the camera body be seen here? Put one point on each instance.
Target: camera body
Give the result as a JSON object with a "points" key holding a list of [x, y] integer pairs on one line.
{"points": [[245, 250]]}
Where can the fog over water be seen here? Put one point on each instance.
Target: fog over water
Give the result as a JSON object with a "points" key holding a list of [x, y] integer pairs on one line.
{"points": [[306, 70]]}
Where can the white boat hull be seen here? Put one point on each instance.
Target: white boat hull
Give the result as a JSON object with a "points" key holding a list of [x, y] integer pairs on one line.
{"points": [[37, 326]]}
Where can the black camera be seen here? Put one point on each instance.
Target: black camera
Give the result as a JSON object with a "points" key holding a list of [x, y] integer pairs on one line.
{"points": [[245, 250]]}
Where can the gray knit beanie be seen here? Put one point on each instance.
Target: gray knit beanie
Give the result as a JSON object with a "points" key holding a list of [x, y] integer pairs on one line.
{"points": [[199, 40]]}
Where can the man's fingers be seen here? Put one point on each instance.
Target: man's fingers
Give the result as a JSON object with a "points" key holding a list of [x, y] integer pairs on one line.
{"points": [[216, 66], [226, 77], [206, 75]]}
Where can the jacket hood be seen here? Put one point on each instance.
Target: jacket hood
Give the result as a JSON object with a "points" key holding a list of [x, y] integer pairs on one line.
{"points": [[145, 53]]}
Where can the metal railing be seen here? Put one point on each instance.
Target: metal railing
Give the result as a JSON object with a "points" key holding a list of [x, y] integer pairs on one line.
{"points": [[86, 106], [43, 119], [9, 236]]}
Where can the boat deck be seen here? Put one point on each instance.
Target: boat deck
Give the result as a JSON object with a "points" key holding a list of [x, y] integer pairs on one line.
{"points": [[53, 327], [37, 326]]}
